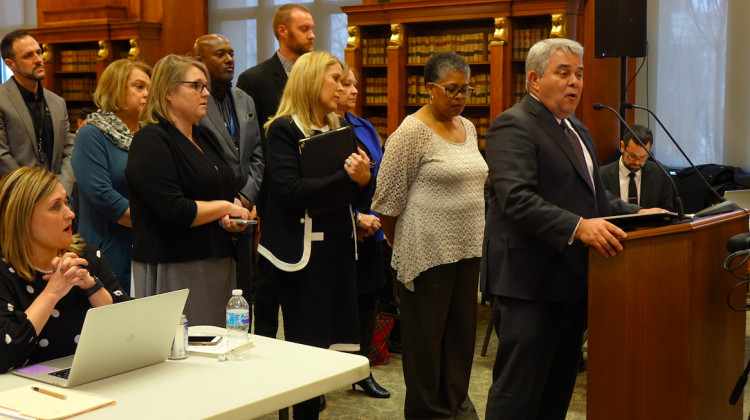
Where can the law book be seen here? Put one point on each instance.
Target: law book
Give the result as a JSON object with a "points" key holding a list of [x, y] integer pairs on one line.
{"points": [[48, 402]]}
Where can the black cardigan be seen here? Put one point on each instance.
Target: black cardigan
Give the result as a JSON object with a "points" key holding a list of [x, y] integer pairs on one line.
{"points": [[166, 175]]}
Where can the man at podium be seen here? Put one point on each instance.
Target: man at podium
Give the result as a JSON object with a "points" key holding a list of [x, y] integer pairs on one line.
{"points": [[546, 194]]}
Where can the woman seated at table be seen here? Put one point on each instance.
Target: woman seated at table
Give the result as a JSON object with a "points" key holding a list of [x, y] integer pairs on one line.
{"points": [[313, 257], [182, 196], [48, 277]]}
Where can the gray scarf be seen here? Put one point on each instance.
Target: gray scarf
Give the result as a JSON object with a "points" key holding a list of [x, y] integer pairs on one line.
{"points": [[113, 129]]}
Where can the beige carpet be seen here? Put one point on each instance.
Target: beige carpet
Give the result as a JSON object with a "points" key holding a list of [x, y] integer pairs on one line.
{"points": [[345, 404]]}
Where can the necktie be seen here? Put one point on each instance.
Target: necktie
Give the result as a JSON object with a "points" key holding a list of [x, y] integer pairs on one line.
{"points": [[576, 145], [632, 190]]}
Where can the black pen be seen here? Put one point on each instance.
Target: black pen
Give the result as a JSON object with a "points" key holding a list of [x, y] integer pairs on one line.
{"points": [[48, 392]]}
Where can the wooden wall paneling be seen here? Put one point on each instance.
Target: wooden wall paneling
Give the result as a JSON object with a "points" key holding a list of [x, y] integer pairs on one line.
{"points": [[182, 22], [601, 84], [396, 77], [500, 61], [353, 56]]}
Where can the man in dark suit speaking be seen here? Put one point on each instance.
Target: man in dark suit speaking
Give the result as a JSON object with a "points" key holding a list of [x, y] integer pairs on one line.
{"points": [[634, 177], [545, 195]]}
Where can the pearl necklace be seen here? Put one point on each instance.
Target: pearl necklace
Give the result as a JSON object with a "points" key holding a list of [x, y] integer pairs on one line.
{"points": [[50, 271]]}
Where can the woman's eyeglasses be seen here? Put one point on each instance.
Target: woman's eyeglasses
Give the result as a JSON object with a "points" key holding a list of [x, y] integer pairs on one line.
{"points": [[452, 92], [198, 85]]}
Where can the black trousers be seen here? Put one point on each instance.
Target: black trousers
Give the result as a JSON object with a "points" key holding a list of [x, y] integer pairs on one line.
{"points": [[266, 298], [535, 368], [438, 325], [244, 259]]}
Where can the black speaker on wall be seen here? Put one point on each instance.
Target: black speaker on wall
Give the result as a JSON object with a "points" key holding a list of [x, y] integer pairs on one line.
{"points": [[620, 28]]}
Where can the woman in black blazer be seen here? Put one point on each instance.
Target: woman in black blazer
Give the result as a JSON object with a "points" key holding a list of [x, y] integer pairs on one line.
{"points": [[313, 257], [182, 196]]}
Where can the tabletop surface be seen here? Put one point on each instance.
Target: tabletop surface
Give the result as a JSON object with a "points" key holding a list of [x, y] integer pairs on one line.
{"points": [[276, 374]]}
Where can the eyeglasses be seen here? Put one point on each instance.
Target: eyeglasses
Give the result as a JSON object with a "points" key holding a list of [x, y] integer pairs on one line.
{"points": [[197, 85], [452, 92], [634, 157]]}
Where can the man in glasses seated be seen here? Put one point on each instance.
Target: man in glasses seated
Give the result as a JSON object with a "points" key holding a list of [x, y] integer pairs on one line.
{"points": [[634, 177]]}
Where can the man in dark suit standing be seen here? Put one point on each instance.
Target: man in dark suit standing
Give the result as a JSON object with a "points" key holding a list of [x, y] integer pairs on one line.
{"points": [[231, 116], [634, 177], [293, 27], [34, 127], [545, 196]]}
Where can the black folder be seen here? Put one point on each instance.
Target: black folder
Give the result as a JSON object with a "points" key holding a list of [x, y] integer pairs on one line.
{"points": [[325, 153]]}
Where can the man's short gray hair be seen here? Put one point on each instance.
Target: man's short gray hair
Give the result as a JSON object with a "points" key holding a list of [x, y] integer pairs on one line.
{"points": [[538, 58]]}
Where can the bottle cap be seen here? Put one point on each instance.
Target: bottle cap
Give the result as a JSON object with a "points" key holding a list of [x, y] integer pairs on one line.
{"points": [[237, 292]]}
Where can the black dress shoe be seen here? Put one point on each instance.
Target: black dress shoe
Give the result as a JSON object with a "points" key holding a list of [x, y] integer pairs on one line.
{"points": [[322, 400], [372, 388]]}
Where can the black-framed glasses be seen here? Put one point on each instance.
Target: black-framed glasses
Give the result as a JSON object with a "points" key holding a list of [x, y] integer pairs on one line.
{"points": [[636, 158], [452, 92], [197, 85]]}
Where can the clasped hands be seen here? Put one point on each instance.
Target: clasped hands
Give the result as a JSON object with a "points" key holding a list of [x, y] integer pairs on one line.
{"points": [[69, 270], [367, 225]]}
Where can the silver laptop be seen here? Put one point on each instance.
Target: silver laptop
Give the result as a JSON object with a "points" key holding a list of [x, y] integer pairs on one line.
{"points": [[115, 339], [739, 197]]}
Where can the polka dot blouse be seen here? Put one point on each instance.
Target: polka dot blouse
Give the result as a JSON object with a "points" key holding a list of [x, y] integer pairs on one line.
{"points": [[19, 344]]}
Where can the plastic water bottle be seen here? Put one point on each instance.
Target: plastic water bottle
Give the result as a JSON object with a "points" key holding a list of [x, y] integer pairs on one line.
{"points": [[238, 322]]}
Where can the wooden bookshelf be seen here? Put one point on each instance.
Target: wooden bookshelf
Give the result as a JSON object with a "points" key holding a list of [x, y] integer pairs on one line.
{"points": [[492, 35], [79, 40]]}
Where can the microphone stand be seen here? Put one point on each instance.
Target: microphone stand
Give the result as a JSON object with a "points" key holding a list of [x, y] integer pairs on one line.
{"points": [[678, 199], [628, 105]]}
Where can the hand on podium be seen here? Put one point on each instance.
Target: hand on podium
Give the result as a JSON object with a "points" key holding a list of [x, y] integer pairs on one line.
{"points": [[602, 235]]}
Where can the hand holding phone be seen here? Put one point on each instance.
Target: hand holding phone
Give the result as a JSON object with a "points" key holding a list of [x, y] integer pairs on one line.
{"points": [[243, 222]]}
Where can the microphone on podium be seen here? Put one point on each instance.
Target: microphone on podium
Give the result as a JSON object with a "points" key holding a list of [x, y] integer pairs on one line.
{"points": [[680, 208], [628, 105]]}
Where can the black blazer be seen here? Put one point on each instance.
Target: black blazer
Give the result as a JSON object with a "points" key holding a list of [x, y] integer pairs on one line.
{"points": [[264, 83], [247, 162], [656, 190], [288, 231], [538, 193]]}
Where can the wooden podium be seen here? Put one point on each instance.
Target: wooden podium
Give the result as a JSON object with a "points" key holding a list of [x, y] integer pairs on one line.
{"points": [[663, 344]]}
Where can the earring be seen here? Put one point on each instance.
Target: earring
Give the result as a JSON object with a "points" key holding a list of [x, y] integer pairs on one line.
{"points": [[431, 98]]}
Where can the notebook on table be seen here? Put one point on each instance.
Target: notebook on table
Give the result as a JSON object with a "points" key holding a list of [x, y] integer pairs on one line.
{"points": [[115, 339]]}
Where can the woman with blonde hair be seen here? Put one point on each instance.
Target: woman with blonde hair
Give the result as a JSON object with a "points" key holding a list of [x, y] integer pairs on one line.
{"points": [[48, 277], [99, 158], [182, 196], [313, 257]]}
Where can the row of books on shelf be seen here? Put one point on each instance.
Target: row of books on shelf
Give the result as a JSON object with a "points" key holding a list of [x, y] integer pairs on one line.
{"points": [[376, 90], [472, 47], [482, 125], [78, 88], [524, 39], [519, 87], [78, 60], [416, 93], [373, 51], [381, 126]]}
